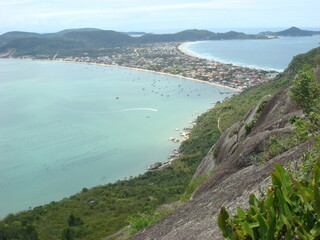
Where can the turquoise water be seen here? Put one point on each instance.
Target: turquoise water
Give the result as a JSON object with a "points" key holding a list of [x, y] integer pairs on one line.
{"points": [[273, 54], [65, 126]]}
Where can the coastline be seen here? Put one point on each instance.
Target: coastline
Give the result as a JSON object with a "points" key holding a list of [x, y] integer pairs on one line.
{"points": [[174, 146], [182, 63], [150, 71], [182, 48]]}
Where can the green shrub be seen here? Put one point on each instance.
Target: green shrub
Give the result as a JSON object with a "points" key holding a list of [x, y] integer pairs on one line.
{"points": [[143, 219], [290, 210], [192, 186], [291, 207], [248, 126], [216, 153], [306, 91]]}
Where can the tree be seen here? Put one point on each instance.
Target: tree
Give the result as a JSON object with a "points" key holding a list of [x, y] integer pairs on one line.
{"points": [[67, 234], [74, 221], [306, 92]]}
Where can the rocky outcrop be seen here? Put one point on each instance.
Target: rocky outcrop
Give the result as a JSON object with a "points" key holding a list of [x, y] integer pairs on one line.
{"points": [[237, 177], [197, 219], [154, 166]]}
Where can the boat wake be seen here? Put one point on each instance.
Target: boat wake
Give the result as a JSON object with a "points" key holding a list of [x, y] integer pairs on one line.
{"points": [[137, 109]]}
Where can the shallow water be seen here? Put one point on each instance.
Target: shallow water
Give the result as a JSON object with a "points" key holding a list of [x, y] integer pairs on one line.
{"points": [[274, 54], [65, 126]]}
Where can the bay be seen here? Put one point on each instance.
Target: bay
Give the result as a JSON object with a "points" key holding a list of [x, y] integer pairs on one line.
{"points": [[271, 54], [66, 126]]}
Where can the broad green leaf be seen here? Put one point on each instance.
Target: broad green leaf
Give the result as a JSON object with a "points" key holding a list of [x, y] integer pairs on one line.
{"points": [[316, 185], [248, 230], [222, 222], [305, 195], [253, 200], [315, 231], [276, 180], [263, 227], [241, 214], [303, 234], [271, 218]]}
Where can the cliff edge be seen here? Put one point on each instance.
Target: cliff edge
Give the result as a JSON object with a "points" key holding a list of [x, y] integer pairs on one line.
{"points": [[237, 173]]}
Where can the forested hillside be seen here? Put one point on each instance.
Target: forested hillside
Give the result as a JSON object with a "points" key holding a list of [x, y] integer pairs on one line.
{"points": [[101, 211]]}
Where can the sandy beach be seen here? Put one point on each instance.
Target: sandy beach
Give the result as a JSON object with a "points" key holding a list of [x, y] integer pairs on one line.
{"points": [[150, 71], [182, 63], [182, 48]]}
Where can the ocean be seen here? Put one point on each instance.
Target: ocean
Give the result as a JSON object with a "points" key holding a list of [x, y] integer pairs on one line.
{"points": [[271, 54], [66, 126]]}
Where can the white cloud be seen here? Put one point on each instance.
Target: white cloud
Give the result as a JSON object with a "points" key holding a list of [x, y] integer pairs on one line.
{"points": [[220, 4], [7, 3]]}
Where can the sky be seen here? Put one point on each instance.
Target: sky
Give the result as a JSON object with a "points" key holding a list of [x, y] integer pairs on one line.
{"points": [[156, 16]]}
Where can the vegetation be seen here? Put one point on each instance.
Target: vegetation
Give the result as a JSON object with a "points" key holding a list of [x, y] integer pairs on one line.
{"points": [[290, 210], [291, 207], [69, 42], [293, 31], [306, 92], [101, 211], [145, 218]]}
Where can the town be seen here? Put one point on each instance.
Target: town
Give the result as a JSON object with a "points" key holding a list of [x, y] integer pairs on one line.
{"points": [[168, 58]]}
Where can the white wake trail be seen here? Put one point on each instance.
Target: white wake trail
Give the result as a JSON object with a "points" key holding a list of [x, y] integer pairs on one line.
{"points": [[137, 109]]}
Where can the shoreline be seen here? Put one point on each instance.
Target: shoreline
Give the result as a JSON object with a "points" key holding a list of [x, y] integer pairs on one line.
{"points": [[182, 48], [165, 161], [141, 69], [174, 147], [146, 70]]}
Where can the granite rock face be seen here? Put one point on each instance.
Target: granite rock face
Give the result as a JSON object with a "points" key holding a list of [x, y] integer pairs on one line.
{"points": [[154, 166], [237, 176]]}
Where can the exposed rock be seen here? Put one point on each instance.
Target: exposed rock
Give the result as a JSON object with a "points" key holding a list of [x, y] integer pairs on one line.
{"points": [[236, 178], [237, 143], [197, 219], [154, 166]]}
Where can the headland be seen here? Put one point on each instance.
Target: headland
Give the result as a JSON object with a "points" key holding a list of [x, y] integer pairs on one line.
{"points": [[170, 59]]}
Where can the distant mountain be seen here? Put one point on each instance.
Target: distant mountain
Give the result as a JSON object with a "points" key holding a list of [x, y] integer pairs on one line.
{"points": [[84, 39], [291, 32], [9, 36], [195, 35], [72, 30], [100, 38], [66, 41]]}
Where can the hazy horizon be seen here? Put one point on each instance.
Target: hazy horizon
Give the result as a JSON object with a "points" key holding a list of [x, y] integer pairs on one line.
{"points": [[152, 16], [253, 30]]}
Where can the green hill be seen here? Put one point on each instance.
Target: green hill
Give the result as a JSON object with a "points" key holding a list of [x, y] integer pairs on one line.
{"points": [[9, 36], [98, 212], [292, 32], [195, 35], [100, 38], [71, 40]]}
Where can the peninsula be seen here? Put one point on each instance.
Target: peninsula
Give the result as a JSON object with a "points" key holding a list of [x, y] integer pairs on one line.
{"points": [[158, 53]]}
